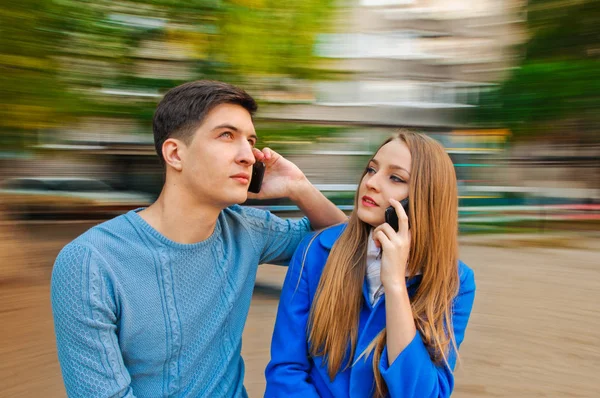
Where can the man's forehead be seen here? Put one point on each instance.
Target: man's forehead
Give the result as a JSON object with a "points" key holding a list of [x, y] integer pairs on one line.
{"points": [[229, 116]]}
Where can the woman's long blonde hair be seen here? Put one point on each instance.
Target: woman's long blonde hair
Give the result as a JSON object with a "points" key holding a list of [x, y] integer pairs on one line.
{"points": [[433, 216]]}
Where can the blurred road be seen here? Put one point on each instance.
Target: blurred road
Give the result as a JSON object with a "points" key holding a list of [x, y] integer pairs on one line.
{"points": [[535, 330]]}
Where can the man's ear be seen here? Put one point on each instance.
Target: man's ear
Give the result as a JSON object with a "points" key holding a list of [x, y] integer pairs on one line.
{"points": [[172, 151]]}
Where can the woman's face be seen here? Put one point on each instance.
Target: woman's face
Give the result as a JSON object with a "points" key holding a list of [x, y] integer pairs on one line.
{"points": [[387, 177]]}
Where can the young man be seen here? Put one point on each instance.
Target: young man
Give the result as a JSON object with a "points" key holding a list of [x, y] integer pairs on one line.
{"points": [[153, 303]]}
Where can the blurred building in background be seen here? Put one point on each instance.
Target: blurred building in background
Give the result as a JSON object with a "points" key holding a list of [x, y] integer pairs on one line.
{"points": [[387, 64], [407, 63], [332, 78], [410, 63]]}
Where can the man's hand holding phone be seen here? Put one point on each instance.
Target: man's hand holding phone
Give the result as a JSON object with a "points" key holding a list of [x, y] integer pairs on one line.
{"points": [[258, 173], [280, 177]]}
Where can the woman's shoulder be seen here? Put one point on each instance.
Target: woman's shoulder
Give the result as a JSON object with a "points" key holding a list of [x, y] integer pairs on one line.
{"points": [[314, 249], [328, 236], [467, 277]]}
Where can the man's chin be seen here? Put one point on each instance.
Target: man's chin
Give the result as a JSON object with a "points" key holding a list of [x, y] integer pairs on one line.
{"points": [[236, 200]]}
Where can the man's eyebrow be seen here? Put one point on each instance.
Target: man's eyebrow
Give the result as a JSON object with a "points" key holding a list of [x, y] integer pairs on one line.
{"points": [[226, 126], [231, 127]]}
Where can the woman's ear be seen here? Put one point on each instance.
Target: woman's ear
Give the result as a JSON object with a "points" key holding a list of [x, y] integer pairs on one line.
{"points": [[173, 150]]}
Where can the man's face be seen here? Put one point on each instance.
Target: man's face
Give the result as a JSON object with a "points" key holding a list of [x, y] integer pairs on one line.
{"points": [[217, 163]]}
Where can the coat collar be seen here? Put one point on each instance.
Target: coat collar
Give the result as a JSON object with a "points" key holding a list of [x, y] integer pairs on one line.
{"points": [[328, 236]]}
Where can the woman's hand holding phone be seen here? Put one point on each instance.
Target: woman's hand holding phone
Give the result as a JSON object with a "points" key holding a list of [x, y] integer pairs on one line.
{"points": [[392, 218], [395, 247]]}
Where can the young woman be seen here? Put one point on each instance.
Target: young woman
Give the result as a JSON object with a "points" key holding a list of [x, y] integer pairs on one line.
{"points": [[370, 311]]}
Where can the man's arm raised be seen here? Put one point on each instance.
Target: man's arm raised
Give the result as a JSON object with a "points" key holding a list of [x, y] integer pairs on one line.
{"points": [[284, 179]]}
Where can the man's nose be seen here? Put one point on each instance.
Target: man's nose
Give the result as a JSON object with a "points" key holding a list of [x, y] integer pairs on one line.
{"points": [[245, 155]]}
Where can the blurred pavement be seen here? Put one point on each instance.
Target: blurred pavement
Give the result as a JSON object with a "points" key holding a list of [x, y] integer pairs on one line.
{"points": [[534, 332]]}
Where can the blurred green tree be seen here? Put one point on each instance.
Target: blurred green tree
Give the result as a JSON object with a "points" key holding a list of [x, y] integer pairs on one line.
{"points": [[32, 94], [67, 59], [555, 91]]}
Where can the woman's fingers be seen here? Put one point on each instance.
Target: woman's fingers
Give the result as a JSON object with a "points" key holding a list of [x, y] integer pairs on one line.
{"points": [[383, 235], [402, 217]]}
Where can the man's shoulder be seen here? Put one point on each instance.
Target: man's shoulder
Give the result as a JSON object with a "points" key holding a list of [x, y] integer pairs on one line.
{"points": [[100, 238], [105, 232], [237, 215], [236, 211]]}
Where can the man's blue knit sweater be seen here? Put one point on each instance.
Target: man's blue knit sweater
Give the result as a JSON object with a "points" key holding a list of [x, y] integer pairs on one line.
{"points": [[137, 314]]}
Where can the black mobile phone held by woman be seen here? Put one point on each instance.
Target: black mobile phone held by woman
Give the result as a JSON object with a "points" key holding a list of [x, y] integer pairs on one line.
{"points": [[391, 217], [258, 172]]}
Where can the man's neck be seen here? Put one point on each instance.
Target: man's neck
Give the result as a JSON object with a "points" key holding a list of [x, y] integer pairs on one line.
{"points": [[181, 218]]}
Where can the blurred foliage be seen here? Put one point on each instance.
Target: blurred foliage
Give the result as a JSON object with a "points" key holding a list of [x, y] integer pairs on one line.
{"points": [[271, 37], [555, 91], [278, 136], [65, 59]]}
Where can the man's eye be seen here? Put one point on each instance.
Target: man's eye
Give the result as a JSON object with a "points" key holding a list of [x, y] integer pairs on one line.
{"points": [[227, 134]]}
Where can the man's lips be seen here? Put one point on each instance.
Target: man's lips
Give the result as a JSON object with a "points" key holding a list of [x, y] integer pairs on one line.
{"points": [[243, 178], [369, 202]]}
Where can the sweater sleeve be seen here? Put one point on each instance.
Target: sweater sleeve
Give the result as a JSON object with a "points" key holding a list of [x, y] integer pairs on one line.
{"points": [[279, 238], [85, 323], [287, 373], [413, 374]]}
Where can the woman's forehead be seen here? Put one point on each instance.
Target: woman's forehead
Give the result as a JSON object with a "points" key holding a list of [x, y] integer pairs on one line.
{"points": [[394, 153]]}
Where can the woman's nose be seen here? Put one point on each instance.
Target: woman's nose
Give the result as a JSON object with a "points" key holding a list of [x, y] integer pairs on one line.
{"points": [[372, 183]]}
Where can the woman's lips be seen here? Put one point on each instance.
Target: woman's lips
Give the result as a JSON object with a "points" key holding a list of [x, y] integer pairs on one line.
{"points": [[369, 202]]}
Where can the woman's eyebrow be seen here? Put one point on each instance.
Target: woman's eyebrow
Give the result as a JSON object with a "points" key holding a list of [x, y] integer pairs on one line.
{"points": [[393, 166]]}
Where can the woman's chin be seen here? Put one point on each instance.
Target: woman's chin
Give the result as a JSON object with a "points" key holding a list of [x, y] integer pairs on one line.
{"points": [[367, 218]]}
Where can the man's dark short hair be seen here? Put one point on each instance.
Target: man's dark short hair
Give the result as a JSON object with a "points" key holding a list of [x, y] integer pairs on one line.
{"points": [[184, 108]]}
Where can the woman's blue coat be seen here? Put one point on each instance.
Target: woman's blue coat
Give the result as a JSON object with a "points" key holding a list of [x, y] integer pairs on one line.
{"points": [[292, 372]]}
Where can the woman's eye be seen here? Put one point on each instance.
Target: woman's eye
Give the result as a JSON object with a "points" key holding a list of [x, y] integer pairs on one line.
{"points": [[396, 179], [370, 170]]}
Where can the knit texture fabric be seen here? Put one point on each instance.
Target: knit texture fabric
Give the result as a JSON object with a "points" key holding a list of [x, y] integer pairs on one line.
{"points": [[137, 314]]}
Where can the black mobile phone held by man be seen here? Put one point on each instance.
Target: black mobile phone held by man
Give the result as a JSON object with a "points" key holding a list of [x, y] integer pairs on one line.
{"points": [[391, 217], [258, 172]]}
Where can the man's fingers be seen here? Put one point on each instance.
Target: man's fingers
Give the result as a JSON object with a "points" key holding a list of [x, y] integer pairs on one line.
{"points": [[268, 152], [258, 154]]}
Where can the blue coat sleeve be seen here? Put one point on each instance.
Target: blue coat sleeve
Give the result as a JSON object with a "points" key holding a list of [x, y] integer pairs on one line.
{"points": [[287, 373], [413, 374], [85, 323]]}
